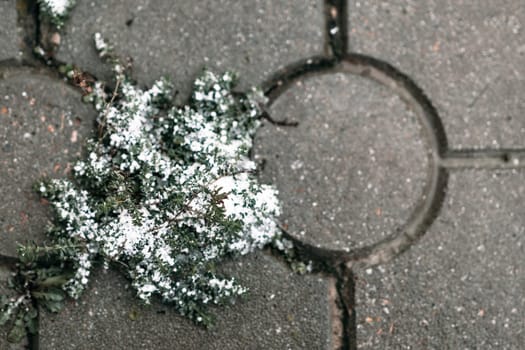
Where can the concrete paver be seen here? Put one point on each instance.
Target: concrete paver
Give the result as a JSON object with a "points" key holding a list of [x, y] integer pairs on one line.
{"points": [[282, 311], [177, 39], [44, 125], [469, 57], [461, 286]]}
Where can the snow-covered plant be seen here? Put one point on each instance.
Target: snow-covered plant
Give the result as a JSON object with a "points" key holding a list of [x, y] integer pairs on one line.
{"points": [[164, 194], [167, 193], [56, 11]]}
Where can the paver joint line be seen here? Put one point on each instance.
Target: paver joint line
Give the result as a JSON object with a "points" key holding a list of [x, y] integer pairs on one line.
{"points": [[484, 159], [336, 28]]}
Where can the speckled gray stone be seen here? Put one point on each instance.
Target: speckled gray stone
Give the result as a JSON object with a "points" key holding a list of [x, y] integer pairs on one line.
{"points": [[282, 311], [178, 38], [468, 56], [353, 169], [9, 39], [461, 286], [43, 124]]}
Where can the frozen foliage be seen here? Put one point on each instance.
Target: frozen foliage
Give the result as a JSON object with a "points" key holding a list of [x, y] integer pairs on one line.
{"points": [[167, 192], [56, 10]]}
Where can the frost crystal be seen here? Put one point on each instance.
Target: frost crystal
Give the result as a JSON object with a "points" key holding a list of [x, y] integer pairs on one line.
{"points": [[168, 192]]}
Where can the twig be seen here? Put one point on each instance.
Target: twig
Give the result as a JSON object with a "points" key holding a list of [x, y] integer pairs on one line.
{"points": [[267, 116], [106, 112]]}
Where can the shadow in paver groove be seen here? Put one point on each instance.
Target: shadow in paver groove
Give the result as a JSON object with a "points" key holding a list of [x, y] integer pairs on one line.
{"points": [[337, 59], [336, 28], [29, 25], [346, 297], [486, 159]]}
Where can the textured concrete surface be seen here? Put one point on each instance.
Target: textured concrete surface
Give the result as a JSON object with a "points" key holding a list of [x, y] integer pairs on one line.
{"points": [[9, 38], [44, 124], [351, 171], [283, 311], [468, 56], [177, 39], [462, 286]]}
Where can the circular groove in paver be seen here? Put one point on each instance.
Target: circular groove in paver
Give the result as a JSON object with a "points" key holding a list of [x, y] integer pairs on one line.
{"points": [[352, 168], [429, 203]]}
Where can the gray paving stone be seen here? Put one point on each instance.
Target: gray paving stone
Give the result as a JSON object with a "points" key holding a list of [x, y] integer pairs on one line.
{"points": [[177, 39], [42, 127], [351, 172], [468, 56], [9, 39], [283, 311], [461, 286]]}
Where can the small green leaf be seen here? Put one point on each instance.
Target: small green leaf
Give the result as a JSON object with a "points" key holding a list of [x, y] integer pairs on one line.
{"points": [[53, 294], [4, 317], [11, 283], [32, 312], [133, 315], [54, 281], [32, 324], [53, 306], [17, 333]]}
